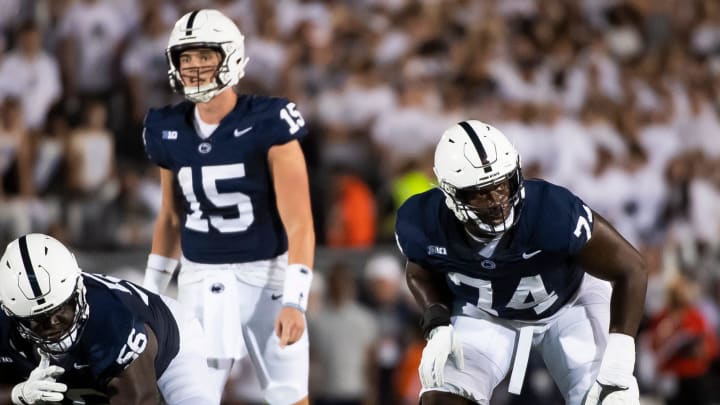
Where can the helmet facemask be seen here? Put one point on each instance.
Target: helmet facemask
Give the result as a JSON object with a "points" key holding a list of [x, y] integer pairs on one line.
{"points": [[64, 340], [180, 77], [488, 210]]}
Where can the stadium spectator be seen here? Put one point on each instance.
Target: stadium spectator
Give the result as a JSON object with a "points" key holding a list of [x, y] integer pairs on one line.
{"points": [[32, 75], [91, 177], [684, 344], [16, 168], [343, 333], [384, 284]]}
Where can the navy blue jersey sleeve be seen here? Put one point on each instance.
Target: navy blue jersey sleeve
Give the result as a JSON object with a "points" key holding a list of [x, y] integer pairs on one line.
{"points": [[14, 367], [153, 136], [565, 222], [409, 233], [121, 341], [286, 123]]}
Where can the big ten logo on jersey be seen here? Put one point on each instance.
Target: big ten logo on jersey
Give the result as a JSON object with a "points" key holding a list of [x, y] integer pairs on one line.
{"points": [[136, 343], [292, 117], [84, 396], [170, 135]]}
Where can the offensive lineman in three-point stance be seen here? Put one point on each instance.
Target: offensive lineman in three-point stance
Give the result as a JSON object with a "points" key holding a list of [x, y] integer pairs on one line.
{"points": [[494, 259]]}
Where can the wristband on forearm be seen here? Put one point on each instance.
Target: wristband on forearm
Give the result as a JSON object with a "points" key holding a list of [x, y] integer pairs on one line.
{"points": [[296, 287], [434, 315], [158, 273], [161, 263]]}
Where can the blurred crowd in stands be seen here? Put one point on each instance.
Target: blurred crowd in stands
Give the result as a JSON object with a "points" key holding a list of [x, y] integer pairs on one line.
{"points": [[617, 100]]}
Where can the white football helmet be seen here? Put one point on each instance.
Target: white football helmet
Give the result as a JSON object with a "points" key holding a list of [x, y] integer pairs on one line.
{"points": [[478, 169], [206, 29], [39, 275]]}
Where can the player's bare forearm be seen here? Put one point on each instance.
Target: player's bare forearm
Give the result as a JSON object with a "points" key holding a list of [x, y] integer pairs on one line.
{"points": [[610, 257], [427, 287], [627, 303], [166, 232], [301, 244], [166, 238], [290, 179]]}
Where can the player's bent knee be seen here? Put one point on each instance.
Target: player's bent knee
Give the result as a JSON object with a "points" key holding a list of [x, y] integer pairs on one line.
{"points": [[443, 398]]}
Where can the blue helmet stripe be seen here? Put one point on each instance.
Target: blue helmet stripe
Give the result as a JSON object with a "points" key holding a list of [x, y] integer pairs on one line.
{"points": [[478, 145], [191, 20], [27, 263]]}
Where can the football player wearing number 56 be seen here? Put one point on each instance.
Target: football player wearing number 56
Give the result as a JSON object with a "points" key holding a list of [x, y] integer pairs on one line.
{"points": [[501, 264], [67, 336], [235, 208]]}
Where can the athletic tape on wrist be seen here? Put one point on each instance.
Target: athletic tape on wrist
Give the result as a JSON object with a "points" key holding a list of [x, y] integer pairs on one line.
{"points": [[296, 287], [161, 263]]}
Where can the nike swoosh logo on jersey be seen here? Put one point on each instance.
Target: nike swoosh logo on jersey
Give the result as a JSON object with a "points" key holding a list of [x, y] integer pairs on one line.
{"points": [[607, 389], [241, 132], [531, 254], [80, 366], [276, 296]]}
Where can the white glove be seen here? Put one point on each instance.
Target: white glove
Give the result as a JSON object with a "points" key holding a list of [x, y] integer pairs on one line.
{"points": [[158, 273], [40, 385], [615, 383], [441, 343]]}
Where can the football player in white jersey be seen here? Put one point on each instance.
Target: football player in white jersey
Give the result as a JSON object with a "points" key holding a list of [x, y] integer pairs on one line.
{"points": [[501, 264], [235, 202]]}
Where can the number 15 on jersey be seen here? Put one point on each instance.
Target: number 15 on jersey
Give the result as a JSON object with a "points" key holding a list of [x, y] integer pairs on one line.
{"points": [[209, 175]]}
